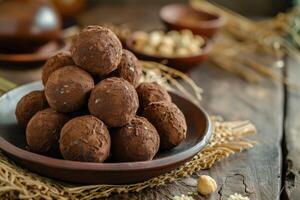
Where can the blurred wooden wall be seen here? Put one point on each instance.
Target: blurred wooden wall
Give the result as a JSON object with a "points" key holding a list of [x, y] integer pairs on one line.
{"points": [[245, 7], [257, 7]]}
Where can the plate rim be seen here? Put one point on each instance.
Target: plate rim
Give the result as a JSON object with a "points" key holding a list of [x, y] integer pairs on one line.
{"points": [[32, 57], [90, 166]]}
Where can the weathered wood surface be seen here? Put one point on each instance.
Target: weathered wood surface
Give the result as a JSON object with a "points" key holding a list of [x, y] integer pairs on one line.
{"points": [[292, 134], [255, 173]]}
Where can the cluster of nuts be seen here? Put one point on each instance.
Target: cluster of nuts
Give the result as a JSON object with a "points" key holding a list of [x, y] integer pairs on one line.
{"points": [[171, 44], [93, 106]]}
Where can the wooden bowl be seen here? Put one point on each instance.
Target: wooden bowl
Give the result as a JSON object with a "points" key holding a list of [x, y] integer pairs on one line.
{"points": [[12, 143], [25, 25], [183, 63], [37, 57], [182, 16]]}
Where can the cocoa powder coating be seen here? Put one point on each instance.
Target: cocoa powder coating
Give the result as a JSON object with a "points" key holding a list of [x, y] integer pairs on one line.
{"points": [[97, 50], [129, 68], [43, 131], [69, 77], [68, 88], [29, 105], [114, 101], [169, 122], [137, 141], [55, 62], [86, 139], [150, 92]]}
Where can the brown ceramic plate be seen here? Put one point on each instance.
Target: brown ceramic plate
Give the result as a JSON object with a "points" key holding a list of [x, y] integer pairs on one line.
{"points": [[12, 143], [182, 16], [183, 63], [39, 55]]}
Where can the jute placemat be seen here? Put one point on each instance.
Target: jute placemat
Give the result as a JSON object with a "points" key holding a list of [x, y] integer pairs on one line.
{"points": [[227, 138], [18, 183]]}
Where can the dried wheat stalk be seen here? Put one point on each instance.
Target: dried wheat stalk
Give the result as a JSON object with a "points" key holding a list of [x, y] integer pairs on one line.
{"points": [[242, 38], [228, 138]]}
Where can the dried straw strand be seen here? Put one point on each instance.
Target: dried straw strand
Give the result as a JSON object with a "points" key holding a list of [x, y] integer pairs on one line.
{"points": [[227, 139]]}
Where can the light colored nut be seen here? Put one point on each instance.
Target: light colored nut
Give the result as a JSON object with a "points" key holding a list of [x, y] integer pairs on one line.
{"points": [[175, 35], [155, 38], [194, 49], [140, 38], [187, 33], [150, 50], [206, 185], [139, 46], [185, 41], [168, 41], [165, 50], [199, 40], [182, 52]]}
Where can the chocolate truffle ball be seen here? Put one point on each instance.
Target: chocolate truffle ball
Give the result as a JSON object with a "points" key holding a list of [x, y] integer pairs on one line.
{"points": [[68, 89], [97, 50], [114, 101], [43, 131], [169, 122], [137, 141], [30, 104], [55, 62], [129, 68], [85, 138], [150, 92]]}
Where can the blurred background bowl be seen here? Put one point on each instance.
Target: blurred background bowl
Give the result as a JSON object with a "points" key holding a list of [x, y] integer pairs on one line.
{"points": [[25, 25], [181, 63], [35, 58], [183, 16]]}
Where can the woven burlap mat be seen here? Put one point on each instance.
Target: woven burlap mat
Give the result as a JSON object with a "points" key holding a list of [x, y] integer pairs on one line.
{"points": [[17, 183], [227, 138]]}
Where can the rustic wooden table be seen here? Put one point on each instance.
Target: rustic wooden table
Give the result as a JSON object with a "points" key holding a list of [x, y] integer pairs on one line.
{"points": [[259, 173]]}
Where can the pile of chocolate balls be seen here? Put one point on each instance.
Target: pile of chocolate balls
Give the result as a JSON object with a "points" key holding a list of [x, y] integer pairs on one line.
{"points": [[93, 107]]}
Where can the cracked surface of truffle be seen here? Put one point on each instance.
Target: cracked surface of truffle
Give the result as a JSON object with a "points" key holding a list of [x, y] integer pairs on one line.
{"points": [[97, 50], [114, 101], [29, 105], [169, 122], [55, 62], [129, 68], [150, 92], [85, 138], [137, 141], [43, 131], [68, 89]]}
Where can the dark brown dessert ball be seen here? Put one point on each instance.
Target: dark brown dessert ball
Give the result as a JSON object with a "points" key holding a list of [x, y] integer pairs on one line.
{"points": [[150, 92], [85, 138], [169, 122], [43, 131], [55, 62], [137, 141], [114, 101], [129, 68], [97, 50], [30, 104], [68, 89]]}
